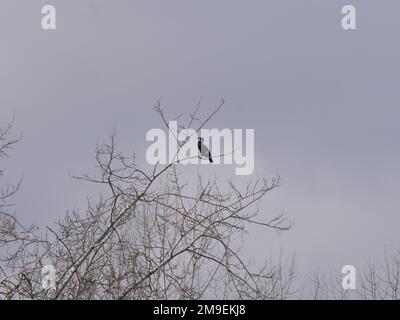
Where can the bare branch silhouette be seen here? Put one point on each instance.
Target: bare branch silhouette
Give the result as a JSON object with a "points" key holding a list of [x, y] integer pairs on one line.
{"points": [[151, 235]]}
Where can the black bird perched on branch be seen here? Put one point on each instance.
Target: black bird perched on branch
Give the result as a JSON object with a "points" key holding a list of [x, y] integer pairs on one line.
{"points": [[204, 152]]}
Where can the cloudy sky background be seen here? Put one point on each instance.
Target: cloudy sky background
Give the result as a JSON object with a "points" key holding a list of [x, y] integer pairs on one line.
{"points": [[323, 103]]}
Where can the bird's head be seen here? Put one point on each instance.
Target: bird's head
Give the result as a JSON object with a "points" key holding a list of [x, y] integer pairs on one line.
{"points": [[201, 139]]}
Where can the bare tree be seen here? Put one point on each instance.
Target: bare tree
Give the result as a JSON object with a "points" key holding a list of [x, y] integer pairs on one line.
{"points": [[328, 287], [392, 272], [382, 281], [371, 283], [12, 233], [6, 144], [375, 281], [150, 235]]}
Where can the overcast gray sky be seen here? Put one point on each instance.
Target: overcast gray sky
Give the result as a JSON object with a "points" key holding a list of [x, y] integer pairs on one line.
{"points": [[323, 103]]}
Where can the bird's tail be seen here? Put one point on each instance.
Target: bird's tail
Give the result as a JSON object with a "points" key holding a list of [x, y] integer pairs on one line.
{"points": [[211, 160]]}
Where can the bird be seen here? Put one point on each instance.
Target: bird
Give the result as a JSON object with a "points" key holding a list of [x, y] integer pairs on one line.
{"points": [[204, 152]]}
